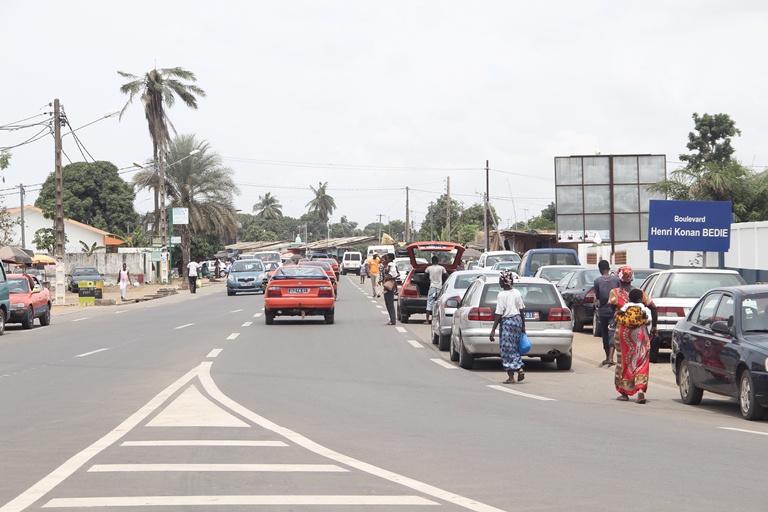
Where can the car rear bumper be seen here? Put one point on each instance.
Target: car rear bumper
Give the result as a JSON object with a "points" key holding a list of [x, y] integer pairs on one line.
{"points": [[414, 305], [291, 307], [546, 343]]}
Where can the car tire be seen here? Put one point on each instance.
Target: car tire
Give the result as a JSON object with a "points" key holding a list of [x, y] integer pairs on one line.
{"points": [[29, 319], [653, 356], [46, 318], [597, 330], [452, 353], [230, 293], [690, 393], [2, 322], [435, 338], [565, 361], [402, 317], [750, 409], [466, 360], [269, 318], [443, 342], [576, 324]]}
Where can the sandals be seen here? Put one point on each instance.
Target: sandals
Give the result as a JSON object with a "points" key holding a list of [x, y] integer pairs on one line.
{"points": [[520, 376], [641, 398], [622, 398], [509, 381]]}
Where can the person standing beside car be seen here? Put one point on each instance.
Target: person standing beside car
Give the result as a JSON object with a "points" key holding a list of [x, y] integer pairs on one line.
{"points": [[509, 314], [603, 286], [436, 275], [388, 278]]}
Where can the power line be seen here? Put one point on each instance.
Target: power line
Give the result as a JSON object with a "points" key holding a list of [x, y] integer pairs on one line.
{"points": [[15, 125], [346, 166], [39, 135]]}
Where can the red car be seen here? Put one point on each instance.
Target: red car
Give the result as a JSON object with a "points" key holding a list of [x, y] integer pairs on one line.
{"points": [[299, 290], [29, 300]]}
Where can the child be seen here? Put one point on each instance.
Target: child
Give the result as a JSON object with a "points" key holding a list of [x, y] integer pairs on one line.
{"points": [[634, 313]]}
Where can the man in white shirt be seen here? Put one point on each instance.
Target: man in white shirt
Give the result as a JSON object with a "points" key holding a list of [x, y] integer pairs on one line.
{"points": [[436, 273], [192, 267]]}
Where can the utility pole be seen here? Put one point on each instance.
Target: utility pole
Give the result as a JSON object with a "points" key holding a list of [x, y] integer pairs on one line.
{"points": [[485, 216], [380, 215], [448, 212], [59, 181], [407, 235], [22, 193], [165, 266], [431, 223]]}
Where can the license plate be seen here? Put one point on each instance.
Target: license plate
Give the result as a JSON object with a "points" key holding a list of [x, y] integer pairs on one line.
{"points": [[248, 284], [531, 315], [298, 290]]}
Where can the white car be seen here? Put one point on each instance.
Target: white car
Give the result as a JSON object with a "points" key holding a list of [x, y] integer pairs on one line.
{"points": [[404, 266], [547, 322], [489, 259]]}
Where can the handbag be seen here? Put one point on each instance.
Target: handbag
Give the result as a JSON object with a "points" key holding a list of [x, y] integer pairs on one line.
{"points": [[524, 345], [389, 285]]}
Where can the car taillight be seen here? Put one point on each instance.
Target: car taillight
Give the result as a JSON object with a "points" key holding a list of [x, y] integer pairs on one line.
{"points": [[670, 311], [409, 291], [589, 297], [559, 315], [325, 291], [480, 315], [274, 291]]}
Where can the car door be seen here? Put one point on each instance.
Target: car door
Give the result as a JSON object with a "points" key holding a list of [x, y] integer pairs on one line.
{"points": [[38, 300], [570, 289], [724, 356], [696, 341]]}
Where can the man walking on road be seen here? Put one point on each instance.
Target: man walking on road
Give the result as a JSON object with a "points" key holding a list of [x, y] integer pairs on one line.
{"points": [[603, 286], [373, 273], [192, 267], [124, 278]]}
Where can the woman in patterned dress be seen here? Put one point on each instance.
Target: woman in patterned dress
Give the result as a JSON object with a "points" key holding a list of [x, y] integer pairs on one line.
{"points": [[633, 343], [509, 314]]}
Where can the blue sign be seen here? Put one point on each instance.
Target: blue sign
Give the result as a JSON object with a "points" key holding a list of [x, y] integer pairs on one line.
{"points": [[689, 226]]}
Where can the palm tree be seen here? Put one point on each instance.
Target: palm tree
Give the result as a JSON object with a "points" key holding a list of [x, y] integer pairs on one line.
{"points": [[322, 204], [268, 207], [158, 89], [204, 186]]}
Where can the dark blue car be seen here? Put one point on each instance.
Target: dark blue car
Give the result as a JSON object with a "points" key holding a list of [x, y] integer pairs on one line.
{"points": [[722, 347]]}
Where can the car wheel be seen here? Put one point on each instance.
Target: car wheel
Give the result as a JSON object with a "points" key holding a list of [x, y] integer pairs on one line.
{"points": [[230, 292], [29, 319], [269, 318], [46, 318], [576, 324], [435, 338], [442, 341], [565, 361], [654, 353], [597, 330], [689, 392], [750, 409], [329, 318], [2, 322], [452, 353], [466, 360], [402, 316]]}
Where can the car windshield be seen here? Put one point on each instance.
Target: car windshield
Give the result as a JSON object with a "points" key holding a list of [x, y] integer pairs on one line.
{"points": [[506, 265], [320, 264], [271, 265], [692, 285], [534, 295], [463, 281], [302, 271], [590, 276], [404, 266], [554, 274], [638, 276], [754, 313], [18, 285], [268, 256], [248, 266], [85, 271], [492, 260]]}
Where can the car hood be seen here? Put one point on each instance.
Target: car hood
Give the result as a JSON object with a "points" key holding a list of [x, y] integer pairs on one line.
{"points": [[419, 250]]}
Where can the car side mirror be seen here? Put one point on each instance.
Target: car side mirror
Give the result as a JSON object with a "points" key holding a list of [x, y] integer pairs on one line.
{"points": [[721, 328], [452, 303], [36, 289]]}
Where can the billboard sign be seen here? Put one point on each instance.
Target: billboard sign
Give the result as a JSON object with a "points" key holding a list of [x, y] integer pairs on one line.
{"points": [[690, 226], [180, 216]]}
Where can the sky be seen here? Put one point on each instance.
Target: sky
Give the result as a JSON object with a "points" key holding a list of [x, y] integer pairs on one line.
{"points": [[374, 97]]}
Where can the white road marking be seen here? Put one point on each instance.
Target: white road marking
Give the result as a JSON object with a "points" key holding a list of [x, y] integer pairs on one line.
{"points": [[443, 364], [238, 468], [520, 393], [744, 430], [379, 306], [215, 352], [92, 352], [206, 442], [384, 312], [247, 324], [257, 315], [233, 336], [401, 329], [415, 343], [183, 326], [236, 311], [192, 409], [118, 312], [215, 501], [81, 319]]}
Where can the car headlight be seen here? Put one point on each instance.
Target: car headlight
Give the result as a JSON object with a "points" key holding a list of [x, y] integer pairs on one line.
{"points": [[230, 277]]}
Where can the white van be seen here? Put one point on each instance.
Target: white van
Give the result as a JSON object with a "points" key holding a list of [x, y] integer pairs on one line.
{"points": [[381, 250], [351, 262]]}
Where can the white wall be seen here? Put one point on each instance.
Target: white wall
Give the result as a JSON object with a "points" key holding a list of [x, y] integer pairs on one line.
{"points": [[34, 220]]}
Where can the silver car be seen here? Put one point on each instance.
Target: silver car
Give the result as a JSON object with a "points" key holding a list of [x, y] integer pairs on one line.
{"points": [[547, 322], [448, 300]]}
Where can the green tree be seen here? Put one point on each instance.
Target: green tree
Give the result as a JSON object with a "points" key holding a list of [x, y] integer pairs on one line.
{"points": [[90, 249], [158, 89], [323, 204], [711, 140], [137, 238], [5, 158], [204, 186], [45, 239], [268, 207], [94, 194], [435, 221]]}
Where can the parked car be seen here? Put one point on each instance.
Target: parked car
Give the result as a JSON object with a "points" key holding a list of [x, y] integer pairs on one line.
{"points": [[80, 274], [471, 265], [404, 267], [29, 300], [579, 296], [325, 267], [722, 347], [351, 262], [675, 291], [547, 322], [535, 258], [299, 290], [5, 303], [413, 293], [333, 263], [490, 258], [448, 300], [555, 273], [266, 256], [246, 276]]}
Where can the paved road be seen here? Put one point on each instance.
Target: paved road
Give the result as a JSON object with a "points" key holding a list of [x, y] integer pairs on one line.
{"points": [[193, 402]]}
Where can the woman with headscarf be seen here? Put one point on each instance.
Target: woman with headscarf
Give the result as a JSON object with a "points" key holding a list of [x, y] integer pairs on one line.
{"points": [[509, 308], [633, 343]]}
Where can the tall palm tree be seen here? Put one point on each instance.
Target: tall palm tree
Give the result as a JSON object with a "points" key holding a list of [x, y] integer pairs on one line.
{"points": [[322, 204], [158, 89], [268, 207], [202, 184]]}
